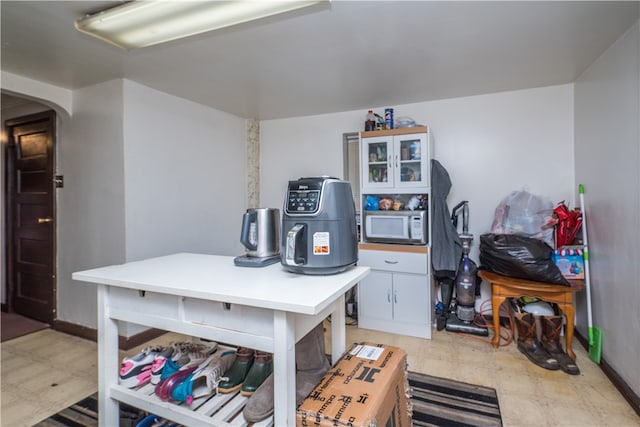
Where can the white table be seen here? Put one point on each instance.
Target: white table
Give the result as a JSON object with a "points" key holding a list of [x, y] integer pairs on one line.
{"points": [[207, 296]]}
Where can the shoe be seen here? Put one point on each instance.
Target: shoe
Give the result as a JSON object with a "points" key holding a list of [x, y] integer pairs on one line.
{"points": [[159, 361], [262, 367], [311, 362], [550, 338], [179, 350], [136, 370], [238, 372], [204, 380], [164, 389], [311, 366], [260, 404], [529, 345], [188, 355]]}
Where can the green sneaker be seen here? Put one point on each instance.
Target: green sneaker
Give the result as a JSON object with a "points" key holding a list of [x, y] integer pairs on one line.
{"points": [[261, 369], [238, 372]]}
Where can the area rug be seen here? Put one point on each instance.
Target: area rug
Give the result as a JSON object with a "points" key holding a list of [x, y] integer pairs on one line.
{"points": [[436, 402], [85, 414], [14, 325], [442, 402]]}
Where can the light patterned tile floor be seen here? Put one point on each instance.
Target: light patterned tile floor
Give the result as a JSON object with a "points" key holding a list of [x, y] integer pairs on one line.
{"points": [[47, 371]]}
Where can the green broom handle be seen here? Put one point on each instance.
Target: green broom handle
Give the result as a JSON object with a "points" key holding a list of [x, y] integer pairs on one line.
{"points": [[587, 281]]}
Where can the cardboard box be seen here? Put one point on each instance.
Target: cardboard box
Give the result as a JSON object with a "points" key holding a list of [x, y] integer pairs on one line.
{"points": [[367, 387], [570, 262]]}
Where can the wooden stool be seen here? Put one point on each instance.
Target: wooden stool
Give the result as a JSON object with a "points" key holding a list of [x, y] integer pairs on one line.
{"points": [[503, 287]]}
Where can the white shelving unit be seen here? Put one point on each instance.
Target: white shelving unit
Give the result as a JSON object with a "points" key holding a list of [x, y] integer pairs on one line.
{"points": [[396, 296]]}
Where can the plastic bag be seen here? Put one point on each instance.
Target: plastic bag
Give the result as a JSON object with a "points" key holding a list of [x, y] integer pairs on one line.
{"points": [[521, 257], [524, 214]]}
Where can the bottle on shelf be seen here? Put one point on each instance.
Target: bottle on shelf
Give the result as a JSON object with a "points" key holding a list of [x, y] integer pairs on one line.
{"points": [[370, 122]]}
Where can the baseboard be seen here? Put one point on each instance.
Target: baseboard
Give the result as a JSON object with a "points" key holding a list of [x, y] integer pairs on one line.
{"points": [[124, 343], [618, 382]]}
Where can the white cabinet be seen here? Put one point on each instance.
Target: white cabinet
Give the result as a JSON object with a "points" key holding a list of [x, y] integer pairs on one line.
{"points": [[395, 159], [396, 296]]}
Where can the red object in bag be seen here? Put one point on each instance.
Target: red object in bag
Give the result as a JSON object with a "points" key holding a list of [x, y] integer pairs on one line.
{"points": [[568, 224]]}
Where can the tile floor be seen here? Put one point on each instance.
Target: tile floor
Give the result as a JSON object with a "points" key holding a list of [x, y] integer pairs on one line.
{"points": [[47, 371]]}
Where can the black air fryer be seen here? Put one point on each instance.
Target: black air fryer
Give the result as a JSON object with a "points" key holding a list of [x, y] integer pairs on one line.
{"points": [[319, 234]]}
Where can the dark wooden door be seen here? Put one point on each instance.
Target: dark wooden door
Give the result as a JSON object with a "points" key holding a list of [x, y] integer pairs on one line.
{"points": [[30, 214]]}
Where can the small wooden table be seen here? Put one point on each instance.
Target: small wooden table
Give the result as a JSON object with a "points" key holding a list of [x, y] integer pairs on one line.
{"points": [[503, 287]]}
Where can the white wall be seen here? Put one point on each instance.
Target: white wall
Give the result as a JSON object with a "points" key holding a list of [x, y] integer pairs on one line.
{"points": [[185, 174], [146, 174], [57, 98], [607, 106], [490, 144], [90, 210]]}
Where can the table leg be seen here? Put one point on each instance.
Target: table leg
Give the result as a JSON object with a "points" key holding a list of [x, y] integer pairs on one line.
{"points": [[569, 313], [496, 302], [284, 369], [108, 363], [338, 330]]}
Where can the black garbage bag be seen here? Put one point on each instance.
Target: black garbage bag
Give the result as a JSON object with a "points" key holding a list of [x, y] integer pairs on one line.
{"points": [[521, 257]]}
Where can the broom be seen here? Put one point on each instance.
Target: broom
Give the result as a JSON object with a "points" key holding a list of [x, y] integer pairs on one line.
{"points": [[595, 333]]}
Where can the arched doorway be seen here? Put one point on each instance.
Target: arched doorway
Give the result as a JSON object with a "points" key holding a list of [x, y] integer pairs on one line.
{"points": [[28, 151]]}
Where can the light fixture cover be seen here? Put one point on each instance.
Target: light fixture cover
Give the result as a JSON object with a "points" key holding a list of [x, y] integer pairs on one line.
{"points": [[137, 24]]}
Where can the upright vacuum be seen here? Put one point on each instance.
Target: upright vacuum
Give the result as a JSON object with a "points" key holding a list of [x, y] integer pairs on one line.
{"points": [[466, 282]]}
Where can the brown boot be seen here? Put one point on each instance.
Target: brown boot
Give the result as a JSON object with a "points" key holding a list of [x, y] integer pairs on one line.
{"points": [[528, 342], [311, 362], [551, 327], [311, 365]]}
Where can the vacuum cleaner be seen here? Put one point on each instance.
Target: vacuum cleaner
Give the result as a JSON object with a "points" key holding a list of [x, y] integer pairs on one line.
{"points": [[466, 282]]}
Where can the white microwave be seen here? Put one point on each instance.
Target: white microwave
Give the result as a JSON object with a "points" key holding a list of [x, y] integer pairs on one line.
{"points": [[407, 227]]}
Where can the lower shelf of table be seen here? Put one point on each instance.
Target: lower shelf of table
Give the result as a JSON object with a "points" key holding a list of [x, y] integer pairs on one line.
{"points": [[215, 410]]}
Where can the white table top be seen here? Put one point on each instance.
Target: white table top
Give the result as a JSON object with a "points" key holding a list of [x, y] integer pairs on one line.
{"points": [[216, 278]]}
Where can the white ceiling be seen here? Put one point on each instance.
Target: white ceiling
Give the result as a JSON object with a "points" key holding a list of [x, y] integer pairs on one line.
{"points": [[355, 55]]}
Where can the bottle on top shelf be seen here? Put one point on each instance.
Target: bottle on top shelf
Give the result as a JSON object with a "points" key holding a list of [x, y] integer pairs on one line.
{"points": [[370, 122]]}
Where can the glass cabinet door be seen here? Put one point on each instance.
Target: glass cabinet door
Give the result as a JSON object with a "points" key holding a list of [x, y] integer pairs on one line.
{"points": [[395, 161], [412, 166], [377, 161]]}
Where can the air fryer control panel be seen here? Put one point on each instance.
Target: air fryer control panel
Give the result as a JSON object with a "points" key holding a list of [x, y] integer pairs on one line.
{"points": [[303, 196], [303, 201]]}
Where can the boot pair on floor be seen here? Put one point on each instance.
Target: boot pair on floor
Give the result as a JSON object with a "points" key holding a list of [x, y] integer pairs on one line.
{"points": [[311, 366], [250, 369], [547, 352]]}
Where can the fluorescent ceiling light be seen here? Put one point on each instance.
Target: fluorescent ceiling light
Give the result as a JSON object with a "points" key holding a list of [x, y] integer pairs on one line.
{"points": [[145, 23]]}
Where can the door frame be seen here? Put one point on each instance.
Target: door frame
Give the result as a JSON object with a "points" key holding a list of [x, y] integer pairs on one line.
{"points": [[8, 202]]}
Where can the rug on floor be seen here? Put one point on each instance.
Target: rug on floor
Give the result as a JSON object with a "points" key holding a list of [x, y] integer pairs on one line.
{"points": [[436, 402], [15, 325], [442, 402]]}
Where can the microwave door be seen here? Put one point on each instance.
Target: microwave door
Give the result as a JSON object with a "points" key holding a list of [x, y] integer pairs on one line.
{"points": [[387, 227]]}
